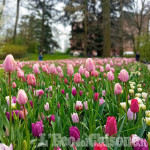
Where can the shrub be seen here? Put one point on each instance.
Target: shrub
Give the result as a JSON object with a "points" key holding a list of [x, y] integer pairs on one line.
{"points": [[32, 47], [18, 51]]}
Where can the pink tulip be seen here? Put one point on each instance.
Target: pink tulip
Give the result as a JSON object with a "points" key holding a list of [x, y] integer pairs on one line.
{"points": [[112, 70], [14, 85], [103, 92], [79, 106], [118, 88], [134, 106], [59, 69], [5, 147], [134, 138], [104, 74], [70, 70], [31, 79], [22, 97], [96, 95], [101, 69], [46, 106], [107, 67], [111, 126], [9, 64], [123, 75], [89, 65], [75, 118], [101, 101], [77, 78], [81, 70], [130, 115], [52, 69], [110, 76], [85, 105], [87, 75], [95, 73], [36, 69], [20, 73]]}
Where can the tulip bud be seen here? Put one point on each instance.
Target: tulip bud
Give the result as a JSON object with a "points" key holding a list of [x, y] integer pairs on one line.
{"points": [[14, 85], [85, 105], [31, 79], [131, 91], [123, 75], [147, 113], [134, 106], [101, 146], [96, 96], [89, 65], [37, 128], [46, 106], [22, 97], [24, 145], [77, 78], [75, 118], [123, 105], [74, 134], [79, 106], [147, 120], [110, 76], [118, 88], [130, 115], [9, 64]]}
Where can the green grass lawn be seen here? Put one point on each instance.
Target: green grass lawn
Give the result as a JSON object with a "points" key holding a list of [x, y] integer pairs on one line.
{"points": [[34, 57]]}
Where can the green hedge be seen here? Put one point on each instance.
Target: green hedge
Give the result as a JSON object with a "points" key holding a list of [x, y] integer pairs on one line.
{"points": [[18, 51]]}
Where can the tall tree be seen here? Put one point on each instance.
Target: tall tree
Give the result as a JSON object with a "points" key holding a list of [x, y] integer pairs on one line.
{"points": [[43, 10], [87, 13], [16, 21], [106, 28]]}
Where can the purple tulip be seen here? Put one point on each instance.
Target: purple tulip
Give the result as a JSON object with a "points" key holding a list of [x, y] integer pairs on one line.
{"points": [[141, 145], [37, 128], [74, 91], [63, 91], [31, 103], [81, 92], [8, 114], [51, 118], [74, 134]]}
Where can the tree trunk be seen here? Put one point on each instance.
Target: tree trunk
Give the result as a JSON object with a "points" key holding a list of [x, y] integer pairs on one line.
{"points": [[85, 28], [121, 28], [106, 28], [16, 22], [1, 13], [42, 26]]}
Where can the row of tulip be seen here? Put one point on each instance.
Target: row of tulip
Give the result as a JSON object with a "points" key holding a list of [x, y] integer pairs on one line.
{"points": [[75, 99]]}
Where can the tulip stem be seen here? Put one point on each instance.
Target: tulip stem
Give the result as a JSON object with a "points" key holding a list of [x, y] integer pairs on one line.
{"points": [[133, 118], [37, 143], [36, 75], [126, 99], [10, 104], [28, 140], [33, 97], [71, 82]]}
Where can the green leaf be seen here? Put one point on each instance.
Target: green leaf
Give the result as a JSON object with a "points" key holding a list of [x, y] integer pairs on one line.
{"points": [[141, 130]]}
